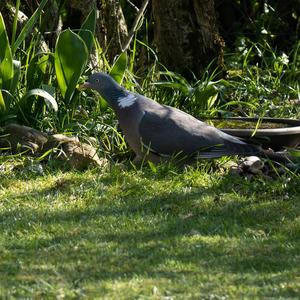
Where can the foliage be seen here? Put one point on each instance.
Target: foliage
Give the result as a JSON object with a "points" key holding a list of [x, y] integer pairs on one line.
{"points": [[12, 99], [87, 29], [199, 97], [69, 59], [6, 66], [28, 26], [260, 81], [276, 22], [68, 68], [263, 81]]}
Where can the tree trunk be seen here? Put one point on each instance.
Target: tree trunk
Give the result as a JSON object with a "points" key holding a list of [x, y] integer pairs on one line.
{"points": [[111, 29], [186, 35]]}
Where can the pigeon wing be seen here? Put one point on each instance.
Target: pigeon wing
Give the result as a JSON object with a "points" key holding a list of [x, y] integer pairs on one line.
{"points": [[169, 131]]}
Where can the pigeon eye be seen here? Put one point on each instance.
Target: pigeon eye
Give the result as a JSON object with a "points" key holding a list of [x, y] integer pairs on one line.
{"points": [[97, 80]]}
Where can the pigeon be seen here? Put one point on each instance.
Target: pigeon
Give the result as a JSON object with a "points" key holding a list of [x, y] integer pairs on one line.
{"points": [[155, 131]]}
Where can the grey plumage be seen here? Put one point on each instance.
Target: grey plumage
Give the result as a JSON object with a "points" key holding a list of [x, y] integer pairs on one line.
{"points": [[154, 130]]}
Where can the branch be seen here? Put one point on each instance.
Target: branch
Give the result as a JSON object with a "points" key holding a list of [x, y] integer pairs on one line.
{"points": [[135, 24], [132, 4]]}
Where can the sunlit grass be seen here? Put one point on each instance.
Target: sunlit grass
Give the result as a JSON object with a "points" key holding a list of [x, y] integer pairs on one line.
{"points": [[124, 234]]}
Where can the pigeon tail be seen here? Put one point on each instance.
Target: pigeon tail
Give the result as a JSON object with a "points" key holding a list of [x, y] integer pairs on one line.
{"points": [[228, 150]]}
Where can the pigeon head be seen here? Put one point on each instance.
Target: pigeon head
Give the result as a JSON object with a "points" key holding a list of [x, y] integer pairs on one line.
{"points": [[100, 82], [107, 87]]}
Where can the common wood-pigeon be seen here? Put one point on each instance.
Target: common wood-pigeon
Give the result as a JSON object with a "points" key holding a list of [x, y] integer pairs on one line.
{"points": [[155, 131]]}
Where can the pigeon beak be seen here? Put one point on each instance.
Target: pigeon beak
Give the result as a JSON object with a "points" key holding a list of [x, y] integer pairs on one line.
{"points": [[86, 85]]}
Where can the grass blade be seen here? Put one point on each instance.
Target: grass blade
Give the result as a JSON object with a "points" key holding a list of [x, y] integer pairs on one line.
{"points": [[15, 22], [28, 26]]}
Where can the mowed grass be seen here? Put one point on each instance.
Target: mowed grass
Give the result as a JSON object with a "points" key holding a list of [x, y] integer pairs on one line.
{"points": [[139, 234]]}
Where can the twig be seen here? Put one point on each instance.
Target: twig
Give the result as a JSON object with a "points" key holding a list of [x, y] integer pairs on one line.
{"points": [[133, 5], [135, 24]]}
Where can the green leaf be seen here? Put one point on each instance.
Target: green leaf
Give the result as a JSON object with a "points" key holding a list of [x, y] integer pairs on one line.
{"points": [[49, 89], [103, 104], [37, 70], [87, 29], [176, 82], [17, 73], [50, 101], [205, 97], [118, 70], [28, 26], [2, 103], [295, 153], [174, 85], [175, 77], [70, 57], [152, 167], [6, 61]]}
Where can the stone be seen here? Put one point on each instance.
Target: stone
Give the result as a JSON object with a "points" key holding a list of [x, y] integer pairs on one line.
{"points": [[19, 137], [76, 154], [252, 164]]}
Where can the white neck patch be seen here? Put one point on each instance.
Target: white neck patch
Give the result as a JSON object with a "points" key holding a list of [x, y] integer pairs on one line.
{"points": [[126, 101]]}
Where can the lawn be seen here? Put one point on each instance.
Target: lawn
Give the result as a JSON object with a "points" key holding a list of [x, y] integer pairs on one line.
{"points": [[124, 233]]}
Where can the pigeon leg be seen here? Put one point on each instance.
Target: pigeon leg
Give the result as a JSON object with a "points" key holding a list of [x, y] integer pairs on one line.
{"points": [[156, 159], [138, 160]]}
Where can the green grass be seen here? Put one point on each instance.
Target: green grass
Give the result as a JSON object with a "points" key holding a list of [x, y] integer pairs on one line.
{"points": [[138, 234]]}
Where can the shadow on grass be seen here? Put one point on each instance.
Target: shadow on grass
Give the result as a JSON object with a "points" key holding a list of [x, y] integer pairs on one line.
{"points": [[232, 226]]}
